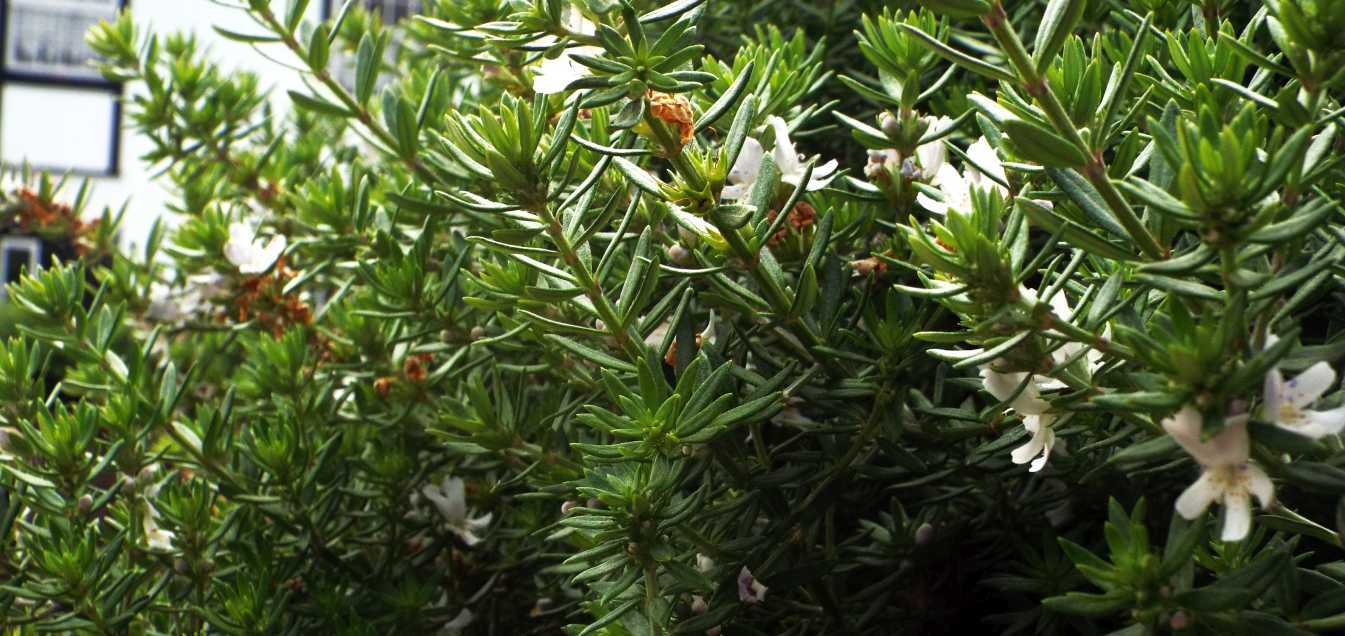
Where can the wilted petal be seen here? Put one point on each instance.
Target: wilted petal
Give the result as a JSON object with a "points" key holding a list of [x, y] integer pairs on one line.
{"points": [[750, 590], [1197, 497]]}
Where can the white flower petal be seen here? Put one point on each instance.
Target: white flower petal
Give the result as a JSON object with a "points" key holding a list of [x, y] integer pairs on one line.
{"points": [[1230, 447], [1197, 497], [743, 175], [930, 205], [984, 156], [785, 155], [821, 176], [1024, 454], [1237, 516], [933, 154], [1273, 393], [1259, 484], [459, 622], [1060, 306], [1318, 424], [1309, 386], [455, 499], [1003, 386]]}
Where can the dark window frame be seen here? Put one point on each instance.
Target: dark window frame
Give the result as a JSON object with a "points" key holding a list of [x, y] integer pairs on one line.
{"points": [[115, 90]]}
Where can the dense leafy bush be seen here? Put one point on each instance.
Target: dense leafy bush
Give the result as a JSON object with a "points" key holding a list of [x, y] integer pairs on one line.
{"points": [[536, 316]]}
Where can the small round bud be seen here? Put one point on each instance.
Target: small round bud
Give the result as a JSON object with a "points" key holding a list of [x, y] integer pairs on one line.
{"points": [[677, 253], [924, 534], [181, 566], [594, 502], [478, 332], [85, 503], [891, 127], [599, 325]]}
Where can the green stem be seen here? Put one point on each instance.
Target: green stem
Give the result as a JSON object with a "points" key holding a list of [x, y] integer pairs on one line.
{"points": [[1095, 170], [615, 324], [348, 100], [651, 593]]}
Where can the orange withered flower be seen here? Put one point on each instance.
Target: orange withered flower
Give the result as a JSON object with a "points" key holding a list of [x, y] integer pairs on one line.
{"points": [[676, 111]]}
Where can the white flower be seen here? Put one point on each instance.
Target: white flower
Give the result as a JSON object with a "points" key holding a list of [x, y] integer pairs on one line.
{"points": [[1003, 386], [1038, 449], [1286, 402], [1227, 476], [956, 186], [156, 538], [450, 498], [704, 563], [743, 175], [246, 251], [750, 590], [931, 155], [934, 154]]}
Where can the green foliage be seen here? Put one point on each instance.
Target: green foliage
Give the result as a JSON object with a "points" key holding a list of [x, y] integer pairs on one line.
{"points": [[555, 316]]}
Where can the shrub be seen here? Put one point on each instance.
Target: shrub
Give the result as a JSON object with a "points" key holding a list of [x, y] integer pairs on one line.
{"points": [[536, 316]]}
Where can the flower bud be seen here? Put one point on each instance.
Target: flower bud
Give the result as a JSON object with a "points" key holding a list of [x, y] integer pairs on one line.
{"points": [[566, 507], [891, 127], [924, 534], [677, 253], [478, 332], [85, 503]]}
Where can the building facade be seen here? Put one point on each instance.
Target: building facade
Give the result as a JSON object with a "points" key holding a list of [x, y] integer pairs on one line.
{"points": [[58, 114]]}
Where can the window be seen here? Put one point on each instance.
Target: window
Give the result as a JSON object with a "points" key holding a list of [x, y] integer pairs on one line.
{"points": [[44, 60], [392, 11], [19, 255]]}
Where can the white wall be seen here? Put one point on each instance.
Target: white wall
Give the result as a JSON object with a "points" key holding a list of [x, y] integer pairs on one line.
{"points": [[69, 127]]}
